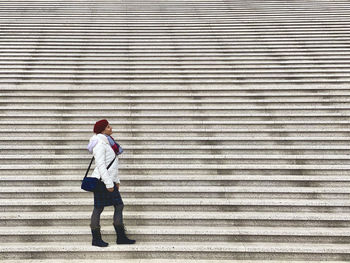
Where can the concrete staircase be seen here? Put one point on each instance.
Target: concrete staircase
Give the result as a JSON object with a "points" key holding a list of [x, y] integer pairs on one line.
{"points": [[234, 117]]}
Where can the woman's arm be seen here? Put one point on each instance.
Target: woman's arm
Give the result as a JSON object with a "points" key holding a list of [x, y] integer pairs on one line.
{"points": [[100, 157]]}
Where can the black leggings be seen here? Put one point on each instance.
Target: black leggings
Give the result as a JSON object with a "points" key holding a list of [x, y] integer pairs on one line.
{"points": [[117, 217]]}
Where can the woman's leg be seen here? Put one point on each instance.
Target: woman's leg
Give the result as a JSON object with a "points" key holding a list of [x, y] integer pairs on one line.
{"points": [[96, 228], [119, 226], [95, 217], [118, 215]]}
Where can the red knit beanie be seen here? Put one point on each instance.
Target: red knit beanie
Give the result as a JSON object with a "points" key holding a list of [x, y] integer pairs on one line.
{"points": [[100, 126]]}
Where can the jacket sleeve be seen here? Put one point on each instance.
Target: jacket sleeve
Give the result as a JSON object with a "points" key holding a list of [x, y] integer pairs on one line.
{"points": [[100, 157], [116, 179]]}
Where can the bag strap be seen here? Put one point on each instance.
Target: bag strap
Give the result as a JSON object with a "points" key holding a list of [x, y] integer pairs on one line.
{"points": [[111, 162], [87, 171], [92, 159]]}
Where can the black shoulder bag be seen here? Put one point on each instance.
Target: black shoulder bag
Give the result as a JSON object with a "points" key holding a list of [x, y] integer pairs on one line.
{"points": [[89, 183]]}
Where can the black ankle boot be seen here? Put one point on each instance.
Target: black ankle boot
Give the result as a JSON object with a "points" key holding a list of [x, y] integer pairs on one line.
{"points": [[121, 236], [96, 238]]}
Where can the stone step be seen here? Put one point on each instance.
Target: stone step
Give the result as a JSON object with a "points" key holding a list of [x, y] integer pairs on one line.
{"points": [[184, 189], [207, 191], [181, 231], [152, 261], [182, 160], [196, 38], [122, 131], [251, 47], [168, 92], [290, 22], [242, 62], [199, 73], [271, 192], [204, 181], [179, 215], [201, 76], [177, 218], [179, 16], [191, 24], [199, 27], [274, 183], [340, 203], [177, 131], [278, 89], [166, 35], [185, 100], [147, 261], [52, 129], [136, 19], [212, 5], [79, 140], [182, 179], [186, 178], [148, 122], [234, 29], [266, 58], [170, 81], [275, 44], [310, 132], [119, 52], [183, 132], [201, 250], [186, 17], [149, 4], [184, 123], [17, 51], [88, 206], [214, 107], [180, 157], [71, 81], [190, 132], [151, 15], [154, 7], [180, 36], [193, 149], [198, 167], [147, 79], [177, 234], [202, 73], [233, 121], [336, 115], [161, 111], [168, 143], [262, 67], [173, 149]]}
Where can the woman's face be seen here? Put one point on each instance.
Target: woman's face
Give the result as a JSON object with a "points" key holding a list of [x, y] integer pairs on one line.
{"points": [[108, 130]]}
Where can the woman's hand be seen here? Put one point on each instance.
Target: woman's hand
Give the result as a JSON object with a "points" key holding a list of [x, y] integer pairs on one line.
{"points": [[112, 189]]}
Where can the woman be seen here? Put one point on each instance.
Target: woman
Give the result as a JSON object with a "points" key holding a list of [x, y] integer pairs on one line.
{"points": [[106, 151]]}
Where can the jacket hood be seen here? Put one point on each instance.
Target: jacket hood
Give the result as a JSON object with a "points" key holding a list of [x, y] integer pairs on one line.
{"points": [[95, 139]]}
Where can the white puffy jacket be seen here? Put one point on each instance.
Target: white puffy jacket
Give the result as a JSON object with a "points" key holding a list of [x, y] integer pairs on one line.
{"points": [[104, 155]]}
